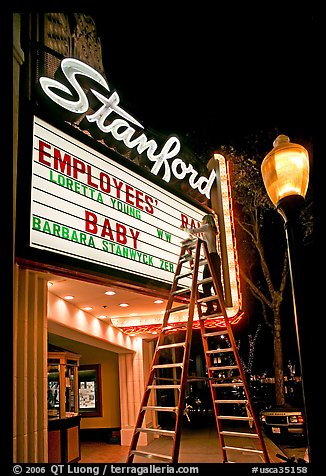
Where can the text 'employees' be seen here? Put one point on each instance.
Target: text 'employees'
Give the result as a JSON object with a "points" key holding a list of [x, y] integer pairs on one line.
{"points": [[72, 167]]}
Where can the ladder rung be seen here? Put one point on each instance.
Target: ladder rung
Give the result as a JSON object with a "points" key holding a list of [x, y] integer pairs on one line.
{"points": [[171, 346], [202, 261], [156, 430], [226, 367], [249, 450], [161, 409], [186, 258], [239, 433], [178, 308], [228, 349], [213, 334], [233, 417], [168, 366], [207, 299], [189, 242], [146, 454], [231, 401], [230, 384], [211, 316], [174, 326], [184, 275], [181, 291], [163, 386], [204, 281]]}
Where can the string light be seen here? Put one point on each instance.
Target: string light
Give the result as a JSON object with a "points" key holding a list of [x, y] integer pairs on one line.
{"points": [[175, 327], [252, 343]]}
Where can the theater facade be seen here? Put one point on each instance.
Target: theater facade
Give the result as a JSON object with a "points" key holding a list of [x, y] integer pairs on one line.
{"points": [[99, 202]]}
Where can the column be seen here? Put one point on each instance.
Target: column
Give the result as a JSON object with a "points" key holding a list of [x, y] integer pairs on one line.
{"points": [[30, 367], [133, 374]]}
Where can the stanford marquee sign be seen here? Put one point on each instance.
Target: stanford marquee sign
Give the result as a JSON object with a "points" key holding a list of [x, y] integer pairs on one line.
{"points": [[87, 207], [125, 128]]}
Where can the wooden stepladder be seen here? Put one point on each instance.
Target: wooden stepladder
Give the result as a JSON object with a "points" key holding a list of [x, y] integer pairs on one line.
{"points": [[227, 382]]}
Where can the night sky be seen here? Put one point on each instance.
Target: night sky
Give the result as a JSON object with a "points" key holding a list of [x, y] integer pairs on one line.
{"points": [[211, 74]]}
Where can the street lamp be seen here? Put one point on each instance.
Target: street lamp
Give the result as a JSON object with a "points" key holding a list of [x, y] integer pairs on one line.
{"points": [[285, 172]]}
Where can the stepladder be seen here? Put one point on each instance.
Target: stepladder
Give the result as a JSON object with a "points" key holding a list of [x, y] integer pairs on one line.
{"points": [[164, 403]]}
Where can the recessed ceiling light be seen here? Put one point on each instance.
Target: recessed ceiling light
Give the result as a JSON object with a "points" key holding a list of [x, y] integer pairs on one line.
{"points": [[50, 284], [158, 301], [69, 297], [101, 317], [109, 293], [87, 308], [133, 314], [124, 304]]}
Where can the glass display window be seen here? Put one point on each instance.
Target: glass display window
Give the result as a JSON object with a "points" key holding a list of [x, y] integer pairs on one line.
{"points": [[89, 390], [63, 384]]}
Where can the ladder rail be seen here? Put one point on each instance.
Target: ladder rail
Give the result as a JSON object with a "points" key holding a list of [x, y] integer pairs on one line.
{"points": [[235, 352], [173, 290], [184, 374], [156, 356], [212, 389], [159, 345]]}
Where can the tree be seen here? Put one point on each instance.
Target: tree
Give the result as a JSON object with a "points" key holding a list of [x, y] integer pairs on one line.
{"points": [[247, 367], [262, 251]]}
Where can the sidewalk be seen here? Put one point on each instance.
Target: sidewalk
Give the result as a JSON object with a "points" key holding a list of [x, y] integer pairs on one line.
{"points": [[201, 445]]}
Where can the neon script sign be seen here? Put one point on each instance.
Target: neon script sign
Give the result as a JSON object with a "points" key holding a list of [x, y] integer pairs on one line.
{"points": [[76, 101]]}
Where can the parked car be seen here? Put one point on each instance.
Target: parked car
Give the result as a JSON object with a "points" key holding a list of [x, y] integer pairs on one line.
{"points": [[283, 421]]}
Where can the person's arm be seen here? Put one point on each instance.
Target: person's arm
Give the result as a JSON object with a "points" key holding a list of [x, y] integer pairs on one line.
{"points": [[201, 229]]}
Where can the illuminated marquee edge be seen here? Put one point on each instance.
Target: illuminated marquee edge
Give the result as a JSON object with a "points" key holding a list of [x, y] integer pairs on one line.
{"points": [[156, 328]]}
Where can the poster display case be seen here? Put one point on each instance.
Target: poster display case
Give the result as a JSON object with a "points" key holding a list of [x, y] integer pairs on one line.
{"points": [[63, 408], [90, 394]]}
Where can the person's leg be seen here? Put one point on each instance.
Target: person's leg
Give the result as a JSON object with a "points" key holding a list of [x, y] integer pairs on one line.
{"points": [[216, 261], [207, 290]]}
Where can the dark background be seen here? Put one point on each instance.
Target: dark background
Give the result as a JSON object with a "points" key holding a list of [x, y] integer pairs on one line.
{"points": [[210, 73]]}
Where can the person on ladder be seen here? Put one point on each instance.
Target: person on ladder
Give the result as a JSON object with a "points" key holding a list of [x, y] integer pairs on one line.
{"points": [[209, 230]]}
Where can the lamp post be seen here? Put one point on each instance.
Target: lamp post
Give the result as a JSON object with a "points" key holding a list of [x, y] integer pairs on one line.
{"points": [[285, 172]]}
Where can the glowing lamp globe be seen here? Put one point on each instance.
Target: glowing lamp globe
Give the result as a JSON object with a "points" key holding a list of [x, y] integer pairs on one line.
{"points": [[285, 170]]}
